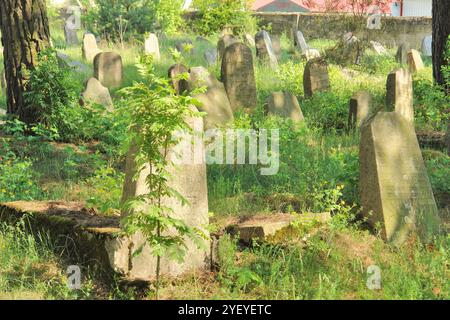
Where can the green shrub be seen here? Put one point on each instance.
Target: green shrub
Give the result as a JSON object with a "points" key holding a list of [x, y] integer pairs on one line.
{"points": [[214, 15]]}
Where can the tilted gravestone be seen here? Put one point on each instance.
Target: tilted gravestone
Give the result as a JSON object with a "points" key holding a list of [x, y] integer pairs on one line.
{"points": [[402, 54], [264, 49], [300, 42], [108, 69], [399, 93], [315, 77], [188, 178], [151, 46], [178, 83], [238, 76], [90, 48], [394, 187], [415, 62], [285, 105], [215, 102], [223, 43], [211, 57], [360, 109], [96, 93], [71, 35], [427, 46]]}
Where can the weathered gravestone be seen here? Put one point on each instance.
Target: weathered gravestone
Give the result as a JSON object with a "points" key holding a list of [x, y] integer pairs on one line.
{"points": [[399, 94], [96, 93], [285, 105], [315, 77], [152, 46], [394, 186], [415, 62], [427, 46], [70, 34], [224, 42], [211, 57], [188, 178], [359, 109], [238, 76], [264, 49], [215, 102], [402, 54], [65, 61], [300, 41], [90, 48], [178, 83], [108, 69]]}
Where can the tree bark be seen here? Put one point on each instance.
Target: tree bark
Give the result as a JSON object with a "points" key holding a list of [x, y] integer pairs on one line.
{"points": [[25, 33], [441, 29]]}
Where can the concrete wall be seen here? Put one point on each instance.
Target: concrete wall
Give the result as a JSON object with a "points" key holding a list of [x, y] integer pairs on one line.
{"points": [[394, 30]]}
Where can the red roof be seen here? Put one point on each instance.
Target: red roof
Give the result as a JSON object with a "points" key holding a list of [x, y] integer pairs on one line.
{"points": [[329, 5]]}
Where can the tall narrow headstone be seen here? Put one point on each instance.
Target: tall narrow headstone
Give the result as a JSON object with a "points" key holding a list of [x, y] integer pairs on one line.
{"points": [[179, 84], [315, 77], [399, 94], [300, 42], [427, 46], [285, 105], [223, 43], [402, 54], [71, 35], [360, 109], [215, 102], [415, 62], [264, 49], [152, 46], [96, 93], [238, 76], [108, 69], [90, 48], [395, 189], [188, 178]]}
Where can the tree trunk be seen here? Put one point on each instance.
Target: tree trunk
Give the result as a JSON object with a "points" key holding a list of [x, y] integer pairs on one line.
{"points": [[25, 32], [441, 29]]}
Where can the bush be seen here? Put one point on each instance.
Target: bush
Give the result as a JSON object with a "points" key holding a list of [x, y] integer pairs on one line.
{"points": [[214, 15]]}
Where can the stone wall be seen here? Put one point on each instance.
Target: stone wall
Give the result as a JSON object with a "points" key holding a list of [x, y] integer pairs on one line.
{"points": [[394, 30]]}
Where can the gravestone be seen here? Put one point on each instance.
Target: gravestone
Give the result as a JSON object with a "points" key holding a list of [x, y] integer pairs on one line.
{"points": [[394, 187], [402, 54], [238, 76], [211, 57], [359, 109], [315, 77], [264, 49], [300, 42], [71, 35], [427, 46], [378, 47], [215, 102], [65, 61], [351, 49], [285, 105], [189, 180], [180, 85], [96, 93], [223, 43], [415, 62], [90, 48], [152, 46], [399, 93], [3, 82], [108, 69]]}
